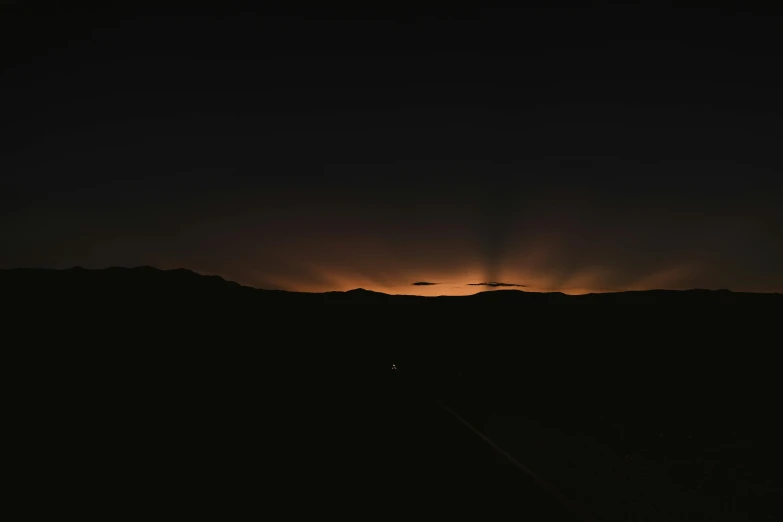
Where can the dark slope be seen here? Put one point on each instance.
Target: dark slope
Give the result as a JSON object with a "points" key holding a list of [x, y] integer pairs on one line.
{"points": [[184, 285], [138, 387]]}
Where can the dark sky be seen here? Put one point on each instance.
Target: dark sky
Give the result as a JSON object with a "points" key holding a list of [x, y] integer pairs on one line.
{"points": [[575, 150]]}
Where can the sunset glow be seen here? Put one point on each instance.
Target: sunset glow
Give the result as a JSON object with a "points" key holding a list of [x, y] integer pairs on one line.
{"points": [[335, 166]]}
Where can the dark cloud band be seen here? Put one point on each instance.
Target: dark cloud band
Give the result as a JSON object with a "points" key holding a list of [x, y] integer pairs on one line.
{"points": [[494, 284]]}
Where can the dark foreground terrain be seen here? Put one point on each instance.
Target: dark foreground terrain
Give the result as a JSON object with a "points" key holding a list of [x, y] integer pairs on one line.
{"points": [[146, 392]]}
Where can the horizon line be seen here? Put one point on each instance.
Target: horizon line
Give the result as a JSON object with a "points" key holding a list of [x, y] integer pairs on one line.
{"points": [[490, 290]]}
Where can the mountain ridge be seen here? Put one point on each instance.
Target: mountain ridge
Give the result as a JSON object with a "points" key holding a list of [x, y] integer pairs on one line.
{"points": [[146, 273]]}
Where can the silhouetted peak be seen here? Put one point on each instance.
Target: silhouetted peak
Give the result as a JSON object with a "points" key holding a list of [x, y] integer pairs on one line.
{"points": [[148, 285], [362, 291]]}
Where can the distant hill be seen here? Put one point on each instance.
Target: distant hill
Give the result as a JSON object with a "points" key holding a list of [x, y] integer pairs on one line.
{"points": [[171, 377], [187, 286], [169, 310], [601, 338]]}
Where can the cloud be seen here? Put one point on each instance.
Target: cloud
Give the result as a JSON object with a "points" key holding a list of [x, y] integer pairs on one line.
{"points": [[423, 283], [495, 285]]}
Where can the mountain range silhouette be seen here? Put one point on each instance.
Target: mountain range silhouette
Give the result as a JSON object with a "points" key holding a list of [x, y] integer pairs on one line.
{"points": [[185, 285], [166, 387]]}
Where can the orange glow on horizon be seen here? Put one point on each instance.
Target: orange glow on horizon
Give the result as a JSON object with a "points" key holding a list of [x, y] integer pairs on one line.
{"points": [[542, 265], [448, 284]]}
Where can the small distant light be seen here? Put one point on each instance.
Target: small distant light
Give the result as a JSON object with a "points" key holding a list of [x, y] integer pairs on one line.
{"points": [[394, 366]]}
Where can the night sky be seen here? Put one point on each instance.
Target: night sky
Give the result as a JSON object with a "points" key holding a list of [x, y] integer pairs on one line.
{"points": [[573, 150]]}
